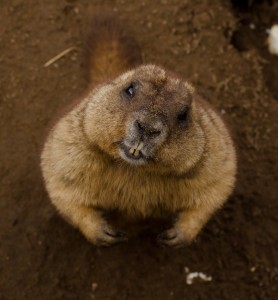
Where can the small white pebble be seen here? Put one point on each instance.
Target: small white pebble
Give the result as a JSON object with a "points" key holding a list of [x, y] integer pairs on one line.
{"points": [[273, 40], [252, 26], [193, 275]]}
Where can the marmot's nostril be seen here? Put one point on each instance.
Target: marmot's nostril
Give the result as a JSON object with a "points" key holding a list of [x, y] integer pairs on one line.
{"points": [[147, 129], [139, 126], [154, 132]]}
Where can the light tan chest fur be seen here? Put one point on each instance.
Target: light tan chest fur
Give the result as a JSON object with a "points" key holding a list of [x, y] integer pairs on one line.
{"points": [[110, 185]]}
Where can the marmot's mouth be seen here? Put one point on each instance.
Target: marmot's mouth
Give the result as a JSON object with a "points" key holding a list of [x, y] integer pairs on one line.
{"points": [[133, 154]]}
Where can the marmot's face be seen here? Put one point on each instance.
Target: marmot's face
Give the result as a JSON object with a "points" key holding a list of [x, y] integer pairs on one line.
{"points": [[145, 117]]}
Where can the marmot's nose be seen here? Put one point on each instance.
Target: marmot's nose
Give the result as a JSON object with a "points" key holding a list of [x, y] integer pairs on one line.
{"points": [[151, 129]]}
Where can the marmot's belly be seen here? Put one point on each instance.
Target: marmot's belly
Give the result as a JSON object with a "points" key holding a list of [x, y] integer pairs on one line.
{"points": [[142, 199]]}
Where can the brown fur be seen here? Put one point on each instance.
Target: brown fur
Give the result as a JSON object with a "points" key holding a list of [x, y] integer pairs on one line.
{"points": [[110, 50], [183, 167]]}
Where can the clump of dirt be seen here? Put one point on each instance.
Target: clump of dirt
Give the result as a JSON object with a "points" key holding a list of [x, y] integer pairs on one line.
{"points": [[217, 45]]}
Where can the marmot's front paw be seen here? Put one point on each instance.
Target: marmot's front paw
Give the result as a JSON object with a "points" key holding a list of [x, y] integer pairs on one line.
{"points": [[174, 237], [104, 235], [109, 237]]}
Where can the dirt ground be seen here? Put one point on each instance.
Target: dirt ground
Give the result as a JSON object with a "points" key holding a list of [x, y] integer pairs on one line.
{"points": [[220, 47]]}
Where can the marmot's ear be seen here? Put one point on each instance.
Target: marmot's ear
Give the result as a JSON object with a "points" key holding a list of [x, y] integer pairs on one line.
{"points": [[189, 91], [190, 87]]}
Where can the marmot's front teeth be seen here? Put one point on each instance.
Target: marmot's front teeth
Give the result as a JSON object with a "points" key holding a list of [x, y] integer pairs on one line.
{"points": [[136, 150], [131, 150], [140, 146]]}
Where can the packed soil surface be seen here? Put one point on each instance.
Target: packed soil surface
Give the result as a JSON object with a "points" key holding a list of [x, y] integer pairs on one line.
{"points": [[220, 47]]}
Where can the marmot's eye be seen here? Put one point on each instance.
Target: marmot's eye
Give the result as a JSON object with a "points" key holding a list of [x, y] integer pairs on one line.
{"points": [[130, 90], [183, 115]]}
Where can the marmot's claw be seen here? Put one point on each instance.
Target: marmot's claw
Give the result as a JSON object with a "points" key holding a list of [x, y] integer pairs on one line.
{"points": [[172, 238], [114, 233], [109, 237], [168, 234]]}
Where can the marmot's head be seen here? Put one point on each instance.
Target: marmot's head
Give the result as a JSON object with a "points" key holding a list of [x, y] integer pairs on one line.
{"points": [[148, 119]]}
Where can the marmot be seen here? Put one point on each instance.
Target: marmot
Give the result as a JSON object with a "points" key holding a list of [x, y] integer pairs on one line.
{"points": [[141, 141]]}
